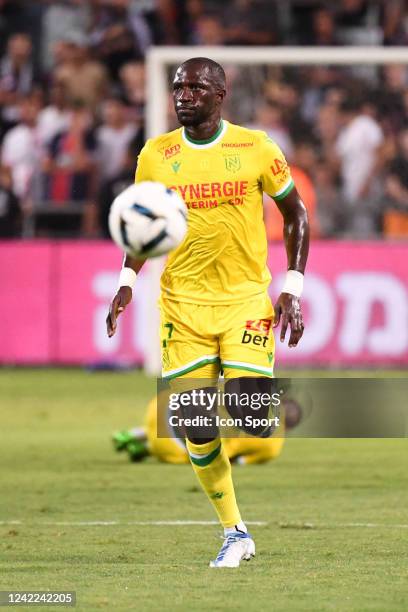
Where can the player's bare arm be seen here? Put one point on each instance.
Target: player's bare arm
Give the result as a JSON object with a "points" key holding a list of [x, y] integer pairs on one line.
{"points": [[123, 297], [296, 235]]}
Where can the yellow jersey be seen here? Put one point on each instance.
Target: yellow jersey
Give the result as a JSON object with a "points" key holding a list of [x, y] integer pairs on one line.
{"points": [[222, 259]]}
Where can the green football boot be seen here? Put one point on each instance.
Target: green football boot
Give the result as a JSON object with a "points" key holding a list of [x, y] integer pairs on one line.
{"points": [[137, 450], [134, 441], [121, 439]]}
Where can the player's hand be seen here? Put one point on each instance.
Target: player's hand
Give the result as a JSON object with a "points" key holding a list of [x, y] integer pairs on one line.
{"points": [[289, 310], [118, 305]]}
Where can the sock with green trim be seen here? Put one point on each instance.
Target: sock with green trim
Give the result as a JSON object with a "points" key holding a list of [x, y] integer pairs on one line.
{"points": [[213, 469]]}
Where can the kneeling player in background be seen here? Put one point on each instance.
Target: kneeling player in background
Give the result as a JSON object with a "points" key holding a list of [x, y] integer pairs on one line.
{"points": [[142, 442]]}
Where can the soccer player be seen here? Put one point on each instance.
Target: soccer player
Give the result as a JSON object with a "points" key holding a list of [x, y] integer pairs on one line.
{"points": [[215, 309]]}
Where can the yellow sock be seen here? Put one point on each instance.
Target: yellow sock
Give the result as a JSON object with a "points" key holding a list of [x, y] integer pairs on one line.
{"points": [[212, 466]]}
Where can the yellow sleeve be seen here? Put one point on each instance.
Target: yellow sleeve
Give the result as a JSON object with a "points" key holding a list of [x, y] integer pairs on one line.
{"points": [[143, 168], [276, 178]]}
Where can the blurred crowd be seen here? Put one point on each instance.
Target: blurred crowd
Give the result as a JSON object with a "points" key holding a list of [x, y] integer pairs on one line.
{"points": [[72, 99]]}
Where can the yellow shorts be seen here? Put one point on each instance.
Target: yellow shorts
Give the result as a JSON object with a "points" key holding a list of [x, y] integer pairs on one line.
{"points": [[199, 340]]}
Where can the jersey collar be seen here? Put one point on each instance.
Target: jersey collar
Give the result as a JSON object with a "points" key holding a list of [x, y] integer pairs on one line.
{"points": [[206, 144]]}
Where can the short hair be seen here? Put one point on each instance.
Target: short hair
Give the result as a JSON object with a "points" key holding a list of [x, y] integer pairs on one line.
{"points": [[216, 70]]}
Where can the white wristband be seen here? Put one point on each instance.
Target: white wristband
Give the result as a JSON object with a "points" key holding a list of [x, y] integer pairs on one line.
{"points": [[127, 278], [293, 283]]}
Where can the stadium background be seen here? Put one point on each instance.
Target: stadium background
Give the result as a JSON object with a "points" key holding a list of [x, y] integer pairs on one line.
{"points": [[330, 515], [72, 93]]}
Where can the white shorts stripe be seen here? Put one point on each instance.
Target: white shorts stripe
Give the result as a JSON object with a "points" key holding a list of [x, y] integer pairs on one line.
{"points": [[191, 365], [248, 366]]}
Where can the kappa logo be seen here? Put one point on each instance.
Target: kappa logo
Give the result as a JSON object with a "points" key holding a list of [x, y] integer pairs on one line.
{"points": [[168, 152], [232, 163]]}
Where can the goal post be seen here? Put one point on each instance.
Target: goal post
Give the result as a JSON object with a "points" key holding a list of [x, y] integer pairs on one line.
{"points": [[159, 59]]}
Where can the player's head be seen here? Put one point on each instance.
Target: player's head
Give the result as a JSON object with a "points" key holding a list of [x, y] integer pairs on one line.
{"points": [[198, 91]]}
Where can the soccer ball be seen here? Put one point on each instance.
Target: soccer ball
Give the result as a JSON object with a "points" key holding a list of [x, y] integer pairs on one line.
{"points": [[148, 220]]}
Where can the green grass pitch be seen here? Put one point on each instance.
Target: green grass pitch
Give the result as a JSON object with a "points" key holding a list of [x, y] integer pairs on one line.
{"points": [[336, 536]]}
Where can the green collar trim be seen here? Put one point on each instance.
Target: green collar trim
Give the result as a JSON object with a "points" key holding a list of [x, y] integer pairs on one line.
{"points": [[209, 140]]}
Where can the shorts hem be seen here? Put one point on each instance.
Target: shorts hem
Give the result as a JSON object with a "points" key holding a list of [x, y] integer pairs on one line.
{"points": [[189, 367], [249, 367]]}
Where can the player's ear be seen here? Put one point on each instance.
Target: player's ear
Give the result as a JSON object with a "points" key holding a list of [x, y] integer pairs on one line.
{"points": [[221, 93]]}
